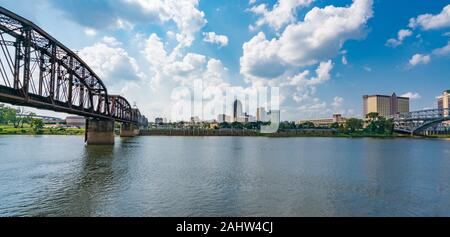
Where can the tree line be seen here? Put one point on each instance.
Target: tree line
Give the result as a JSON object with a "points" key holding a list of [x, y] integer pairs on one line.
{"points": [[374, 125], [17, 118]]}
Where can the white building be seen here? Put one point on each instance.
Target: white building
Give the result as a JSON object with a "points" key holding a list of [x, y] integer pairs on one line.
{"points": [[261, 115], [223, 118]]}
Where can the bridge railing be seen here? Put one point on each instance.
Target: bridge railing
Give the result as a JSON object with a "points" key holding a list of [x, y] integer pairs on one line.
{"points": [[428, 114]]}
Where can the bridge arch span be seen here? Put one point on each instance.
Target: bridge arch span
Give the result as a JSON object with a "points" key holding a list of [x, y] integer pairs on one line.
{"points": [[37, 70]]}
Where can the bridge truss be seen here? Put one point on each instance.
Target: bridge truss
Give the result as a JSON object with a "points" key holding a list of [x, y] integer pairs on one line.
{"points": [[419, 121], [38, 71]]}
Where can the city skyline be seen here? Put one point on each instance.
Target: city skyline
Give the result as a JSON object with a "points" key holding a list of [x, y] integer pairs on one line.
{"points": [[148, 50]]}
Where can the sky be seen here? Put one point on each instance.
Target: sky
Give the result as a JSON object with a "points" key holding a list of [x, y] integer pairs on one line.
{"points": [[323, 55]]}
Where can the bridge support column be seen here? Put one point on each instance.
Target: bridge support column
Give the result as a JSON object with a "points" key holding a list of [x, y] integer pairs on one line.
{"points": [[99, 132], [129, 130]]}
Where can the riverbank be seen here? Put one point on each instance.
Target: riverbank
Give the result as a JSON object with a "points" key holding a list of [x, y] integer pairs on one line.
{"points": [[256, 133], [26, 130]]}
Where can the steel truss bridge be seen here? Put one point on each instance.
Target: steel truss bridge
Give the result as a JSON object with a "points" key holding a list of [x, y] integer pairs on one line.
{"points": [[419, 121], [38, 71]]}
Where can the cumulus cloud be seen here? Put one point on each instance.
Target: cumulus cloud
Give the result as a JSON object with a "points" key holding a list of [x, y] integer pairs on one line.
{"points": [[121, 14], [412, 95], [283, 12], [110, 62], [401, 35], [442, 51], [169, 71], [318, 37], [337, 102], [212, 37], [418, 59], [186, 15], [303, 87], [430, 21]]}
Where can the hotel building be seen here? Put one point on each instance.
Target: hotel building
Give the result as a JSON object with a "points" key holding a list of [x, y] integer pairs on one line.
{"points": [[444, 101], [385, 105]]}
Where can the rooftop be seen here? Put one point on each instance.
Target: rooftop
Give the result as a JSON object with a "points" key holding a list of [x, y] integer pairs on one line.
{"points": [[388, 96]]}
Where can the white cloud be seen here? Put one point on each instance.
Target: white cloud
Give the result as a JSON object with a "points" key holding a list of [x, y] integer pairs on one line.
{"points": [[426, 58], [412, 95], [90, 32], [169, 71], [251, 2], [442, 51], [319, 37], [337, 102], [419, 59], [111, 41], [401, 35], [212, 37], [283, 12], [367, 68], [430, 22], [124, 24], [110, 62]]}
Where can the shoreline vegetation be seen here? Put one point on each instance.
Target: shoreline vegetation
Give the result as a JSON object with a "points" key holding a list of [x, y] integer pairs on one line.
{"points": [[28, 130], [281, 134], [14, 122]]}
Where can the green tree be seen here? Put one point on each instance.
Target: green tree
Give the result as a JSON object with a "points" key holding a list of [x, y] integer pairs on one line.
{"points": [[373, 115], [37, 125], [307, 124], [225, 125], [28, 119], [334, 125], [237, 125], [11, 116], [354, 124]]}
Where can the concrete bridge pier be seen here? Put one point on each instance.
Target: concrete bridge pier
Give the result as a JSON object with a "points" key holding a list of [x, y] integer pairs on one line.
{"points": [[99, 132], [129, 130]]}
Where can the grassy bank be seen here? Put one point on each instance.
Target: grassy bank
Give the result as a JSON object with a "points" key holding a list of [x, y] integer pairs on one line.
{"points": [[27, 130]]}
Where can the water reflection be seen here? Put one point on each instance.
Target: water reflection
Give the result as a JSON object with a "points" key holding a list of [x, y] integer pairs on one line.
{"points": [[224, 176]]}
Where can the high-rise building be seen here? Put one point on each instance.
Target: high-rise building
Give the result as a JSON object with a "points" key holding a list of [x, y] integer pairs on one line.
{"points": [[444, 101], [261, 114], [385, 105], [223, 118], [237, 110]]}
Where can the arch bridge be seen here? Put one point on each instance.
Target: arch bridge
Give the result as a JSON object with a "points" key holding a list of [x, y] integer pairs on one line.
{"points": [[38, 71], [418, 121]]}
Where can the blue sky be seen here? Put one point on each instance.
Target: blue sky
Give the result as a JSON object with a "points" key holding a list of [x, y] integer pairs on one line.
{"points": [[324, 55]]}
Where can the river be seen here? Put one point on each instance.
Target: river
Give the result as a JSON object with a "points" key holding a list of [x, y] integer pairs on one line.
{"points": [[224, 176]]}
